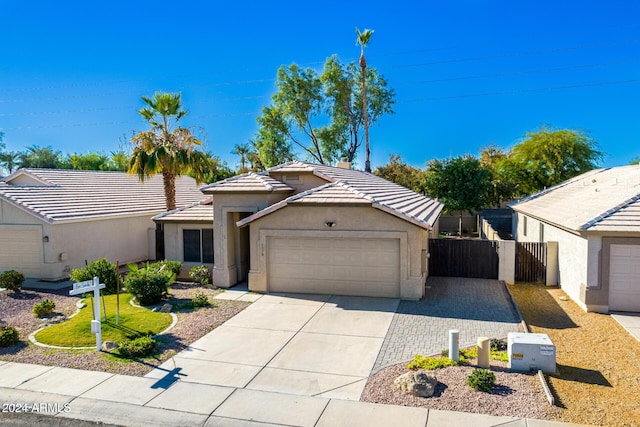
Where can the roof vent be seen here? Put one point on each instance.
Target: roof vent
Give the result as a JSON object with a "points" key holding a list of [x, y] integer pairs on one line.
{"points": [[344, 164]]}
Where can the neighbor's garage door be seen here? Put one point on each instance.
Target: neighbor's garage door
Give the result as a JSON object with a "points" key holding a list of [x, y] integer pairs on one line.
{"points": [[624, 278], [21, 249], [341, 266]]}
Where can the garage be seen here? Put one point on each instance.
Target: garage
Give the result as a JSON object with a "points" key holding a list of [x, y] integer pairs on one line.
{"points": [[21, 249], [338, 266], [624, 270]]}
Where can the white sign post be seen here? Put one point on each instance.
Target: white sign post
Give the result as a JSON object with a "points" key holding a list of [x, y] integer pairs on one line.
{"points": [[95, 286]]}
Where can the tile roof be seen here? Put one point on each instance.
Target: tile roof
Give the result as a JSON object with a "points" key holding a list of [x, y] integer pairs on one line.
{"points": [[201, 211], [600, 200], [57, 195], [249, 182], [357, 187]]}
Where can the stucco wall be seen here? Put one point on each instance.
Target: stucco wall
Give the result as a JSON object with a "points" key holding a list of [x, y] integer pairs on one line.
{"points": [[226, 211], [306, 181], [174, 248], [349, 222]]}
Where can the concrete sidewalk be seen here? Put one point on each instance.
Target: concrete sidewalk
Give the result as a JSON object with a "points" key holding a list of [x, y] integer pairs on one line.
{"points": [[135, 401], [629, 321]]}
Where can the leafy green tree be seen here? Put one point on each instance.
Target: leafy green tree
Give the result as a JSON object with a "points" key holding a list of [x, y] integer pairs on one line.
{"points": [[402, 174], [461, 183], [93, 161], [635, 161], [550, 156], [118, 161], [363, 40], [503, 187], [37, 157], [166, 148], [297, 116], [218, 170]]}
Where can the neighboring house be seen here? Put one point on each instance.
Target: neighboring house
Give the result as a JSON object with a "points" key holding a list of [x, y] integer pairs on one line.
{"points": [[51, 221], [301, 227], [595, 218]]}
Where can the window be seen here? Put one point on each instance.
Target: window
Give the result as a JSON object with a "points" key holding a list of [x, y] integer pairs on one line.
{"points": [[198, 245]]}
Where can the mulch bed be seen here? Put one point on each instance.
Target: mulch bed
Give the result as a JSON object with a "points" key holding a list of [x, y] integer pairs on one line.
{"points": [[15, 310], [598, 362]]}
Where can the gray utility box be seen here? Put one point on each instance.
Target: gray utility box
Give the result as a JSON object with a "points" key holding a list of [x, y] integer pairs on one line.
{"points": [[531, 352]]}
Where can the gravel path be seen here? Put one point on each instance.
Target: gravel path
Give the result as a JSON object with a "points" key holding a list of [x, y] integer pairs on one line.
{"points": [[15, 310], [514, 395]]}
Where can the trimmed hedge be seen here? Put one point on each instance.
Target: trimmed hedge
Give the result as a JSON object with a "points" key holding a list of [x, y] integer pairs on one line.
{"points": [[137, 347], [8, 336], [149, 284]]}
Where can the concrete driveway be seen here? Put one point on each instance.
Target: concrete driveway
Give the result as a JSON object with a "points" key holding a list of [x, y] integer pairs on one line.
{"points": [[312, 345]]}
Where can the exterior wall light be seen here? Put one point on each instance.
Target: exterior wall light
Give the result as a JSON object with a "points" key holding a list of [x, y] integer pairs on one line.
{"points": [[329, 224], [45, 239]]}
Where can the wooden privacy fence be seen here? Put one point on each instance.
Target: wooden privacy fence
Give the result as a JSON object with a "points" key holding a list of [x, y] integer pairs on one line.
{"points": [[463, 258], [531, 262]]}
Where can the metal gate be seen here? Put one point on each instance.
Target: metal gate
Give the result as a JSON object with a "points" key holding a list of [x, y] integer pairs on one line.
{"points": [[463, 258], [531, 262]]}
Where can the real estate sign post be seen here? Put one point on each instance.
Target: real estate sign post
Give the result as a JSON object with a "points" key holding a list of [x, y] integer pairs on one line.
{"points": [[95, 286]]}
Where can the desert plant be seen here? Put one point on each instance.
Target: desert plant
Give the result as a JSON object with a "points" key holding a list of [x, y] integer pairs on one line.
{"points": [[44, 308], [498, 345], [200, 300], [150, 284], [8, 335], [11, 280], [464, 355], [137, 347], [481, 380], [200, 274], [429, 363], [174, 266], [100, 268]]}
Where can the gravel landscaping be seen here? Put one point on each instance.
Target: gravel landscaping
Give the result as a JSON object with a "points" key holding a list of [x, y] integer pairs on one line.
{"points": [[15, 310], [598, 379], [514, 394]]}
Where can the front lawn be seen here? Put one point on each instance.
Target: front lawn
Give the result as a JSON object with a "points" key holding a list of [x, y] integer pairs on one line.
{"points": [[134, 321]]}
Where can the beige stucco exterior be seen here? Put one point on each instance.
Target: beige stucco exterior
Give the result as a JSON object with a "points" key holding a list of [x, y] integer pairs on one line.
{"points": [[67, 245], [351, 222], [583, 258], [174, 244]]}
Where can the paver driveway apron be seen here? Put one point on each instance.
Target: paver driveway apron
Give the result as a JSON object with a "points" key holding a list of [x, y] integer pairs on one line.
{"points": [[313, 345]]}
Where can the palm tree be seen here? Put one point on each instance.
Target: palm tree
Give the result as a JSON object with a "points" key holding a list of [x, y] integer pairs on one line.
{"points": [[166, 148], [9, 160], [363, 41], [242, 150]]}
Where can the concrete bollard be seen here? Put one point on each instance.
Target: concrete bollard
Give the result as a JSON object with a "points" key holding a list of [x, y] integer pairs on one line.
{"points": [[454, 345], [484, 352]]}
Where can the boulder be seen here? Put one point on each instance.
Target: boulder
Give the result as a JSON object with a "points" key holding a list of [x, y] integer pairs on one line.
{"points": [[166, 308], [109, 345], [417, 383]]}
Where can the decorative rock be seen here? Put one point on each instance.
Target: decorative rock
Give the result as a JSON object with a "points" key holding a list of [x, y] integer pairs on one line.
{"points": [[417, 383], [166, 308], [109, 345], [80, 304]]}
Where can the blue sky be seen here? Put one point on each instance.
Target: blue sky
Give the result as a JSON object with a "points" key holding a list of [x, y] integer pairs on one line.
{"points": [[466, 73]]}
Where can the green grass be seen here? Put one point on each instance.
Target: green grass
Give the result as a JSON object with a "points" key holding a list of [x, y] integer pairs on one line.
{"points": [[134, 321]]}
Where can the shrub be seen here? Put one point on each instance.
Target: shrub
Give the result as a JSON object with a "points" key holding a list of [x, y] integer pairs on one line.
{"points": [[498, 345], [137, 347], [200, 300], [481, 380], [174, 266], [464, 355], [11, 280], [430, 363], [44, 308], [8, 335], [100, 268], [200, 274], [149, 285]]}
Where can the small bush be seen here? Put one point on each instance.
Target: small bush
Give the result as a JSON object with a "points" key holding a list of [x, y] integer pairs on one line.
{"points": [[200, 274], [498, 345], [200, 300], [150, 284], [463, 356], [481, 380], [137, 347], [8, 336], [174, 266], [11, 280], [430, 363], [44, 308], [100, 268]]}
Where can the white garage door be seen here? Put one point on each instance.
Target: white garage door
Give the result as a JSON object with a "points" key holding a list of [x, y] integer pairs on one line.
{"points": [[341, 266], [21, 250], [624, 278]]}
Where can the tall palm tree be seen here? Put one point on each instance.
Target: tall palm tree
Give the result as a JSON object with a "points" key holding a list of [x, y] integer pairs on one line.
{"points": [[363, 41], [166, 148], [242, 150]]}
